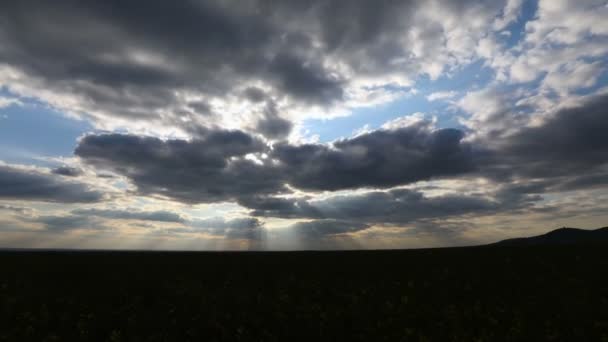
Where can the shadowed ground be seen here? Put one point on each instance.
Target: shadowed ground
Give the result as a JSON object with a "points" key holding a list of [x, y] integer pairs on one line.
{"points": [[498, 293]]}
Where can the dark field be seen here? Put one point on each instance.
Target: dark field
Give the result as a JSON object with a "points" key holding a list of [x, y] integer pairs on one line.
{"points": [[542, 293]]}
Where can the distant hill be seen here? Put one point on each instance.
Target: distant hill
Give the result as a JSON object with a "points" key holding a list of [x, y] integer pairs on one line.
{"points": [[561, 236]]}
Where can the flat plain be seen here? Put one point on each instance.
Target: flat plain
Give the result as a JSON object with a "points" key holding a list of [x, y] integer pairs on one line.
{"points": [[491, 293]]}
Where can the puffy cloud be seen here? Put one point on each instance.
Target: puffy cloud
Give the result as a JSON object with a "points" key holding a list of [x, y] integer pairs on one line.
{"points": [[404, 121], [215, 167], [568, 143], [510, 13], [573, 76], [382, 158], [561, 46], [567, 21], [272, 126], [563, 152], [212, 168], [493, 112], [158, 67], [35, 185], [228, 83]]}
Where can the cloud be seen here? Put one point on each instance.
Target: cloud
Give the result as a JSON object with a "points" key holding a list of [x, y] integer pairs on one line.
{"points": [[16, 209], [212, 168], [382, 158], [569, 143], [216, 168], [441, 95], [399, 206], [564, 152], [510, 13], [325, 228], [560, 47], [9, 101], [220, 223], [405, 121], [248, 228], [573, 76], [33, 185], [493, 112], [209, 93], [58, 223], [121, 69], [271, 125], [67, 171], [308, 81], [131, 214]]}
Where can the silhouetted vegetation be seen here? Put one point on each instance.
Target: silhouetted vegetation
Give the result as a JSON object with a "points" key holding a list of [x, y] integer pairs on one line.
{"points": [[540, 293]]}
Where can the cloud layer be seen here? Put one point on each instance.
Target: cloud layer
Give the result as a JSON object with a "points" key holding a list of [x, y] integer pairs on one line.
{"points": [[18, 183], [216, 118], [150, 63]]}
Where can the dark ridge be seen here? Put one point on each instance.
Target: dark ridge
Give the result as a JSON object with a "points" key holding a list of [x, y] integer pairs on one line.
{"points": [[561, 236]]}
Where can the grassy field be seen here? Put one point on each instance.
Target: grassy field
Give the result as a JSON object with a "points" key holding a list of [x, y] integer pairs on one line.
{"points": [[557, 293]]}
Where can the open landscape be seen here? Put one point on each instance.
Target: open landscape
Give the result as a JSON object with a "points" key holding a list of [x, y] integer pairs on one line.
{"points": [[542, 292], [318, 170]]}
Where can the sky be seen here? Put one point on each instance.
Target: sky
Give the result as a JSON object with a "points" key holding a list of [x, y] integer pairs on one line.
{"points": [[282, 125]]}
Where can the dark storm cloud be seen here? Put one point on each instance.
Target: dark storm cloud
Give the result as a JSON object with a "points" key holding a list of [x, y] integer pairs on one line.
{"points": [[200, 107], [271, 125], [395, 206], [67, 171], [588, 181], [274, 127], [280, 207], [201, 170], [205, 169], [160, 215], [323, 228], [21, 184], [568, 151], [69, 222], [571, 141], [254, 94], [305, 80], [382, 158], [129, 60]]}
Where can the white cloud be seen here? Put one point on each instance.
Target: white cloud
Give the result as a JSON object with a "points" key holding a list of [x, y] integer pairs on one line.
{"points": [[407, 120], [572, 76], [9, 101], [442, 95], [510, 13]]}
